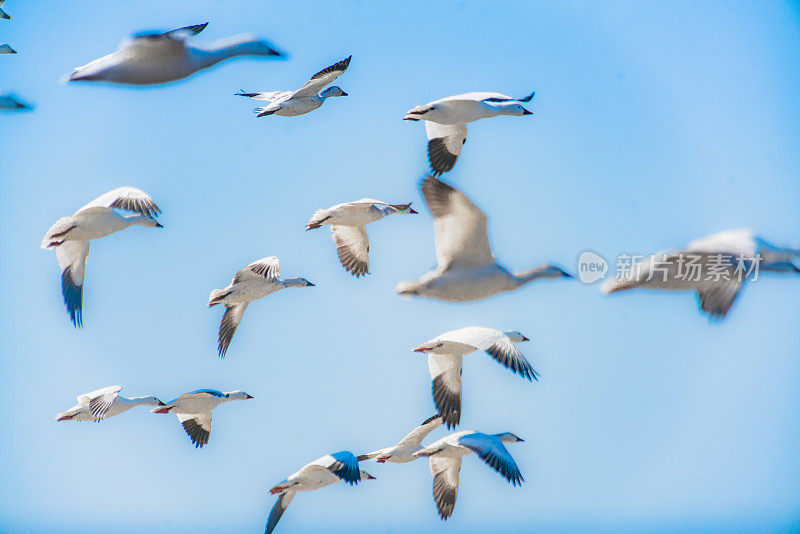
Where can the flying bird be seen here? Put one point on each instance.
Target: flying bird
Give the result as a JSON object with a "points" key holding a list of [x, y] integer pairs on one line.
{"points": [[322, 472], [446, 122], [194, 411], [103, 216], [152, 58], [404, 451], [255, 281], [348, 224], [104, 403], [445, 462], [445, 354], [307, 98], [716, 267], [467, 269]]}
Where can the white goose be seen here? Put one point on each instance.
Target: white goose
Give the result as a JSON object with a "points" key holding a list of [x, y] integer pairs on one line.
{"points": [[348, 222], [404, 451], [70, 236], [307, 98], [152, 58], [318, 474], [467, 269], [10, 102], [446, 122], [255, 281], [716, 266], [3, 14], [194, 411], [445, 355], [6, 49], [103, 403], [445, 462]]}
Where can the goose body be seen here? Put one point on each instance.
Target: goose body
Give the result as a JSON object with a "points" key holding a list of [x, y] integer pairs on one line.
{"points": [[322, 472], [446, 122], [253, 282], [445, 359], [348, 223], [116, 210], [104, 403], [467, 269], [307, 98], [154, 58], [716, 267], [445, 458], [194, 411], [404, 451]]}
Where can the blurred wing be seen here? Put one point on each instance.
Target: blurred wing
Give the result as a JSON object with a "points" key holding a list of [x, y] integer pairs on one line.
{"points": [[445, 371], [179, 34], [444, 145], [128, 199], [277, 510], [717, 300], [230, 322], [492, 451], [352, 246], [496, 344], [445, 483], [343, 464], [272, 96], [197, 427], [322, 78], [99, 404], [267, 268], [416, 436], [460, 227], [72, 256]]}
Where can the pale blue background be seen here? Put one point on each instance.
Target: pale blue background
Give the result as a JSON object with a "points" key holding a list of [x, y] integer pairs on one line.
{"points": [[654, 123]]}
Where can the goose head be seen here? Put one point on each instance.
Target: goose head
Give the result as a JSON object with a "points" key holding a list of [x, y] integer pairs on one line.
{"points": [[238, 395], [297, 282], [515, 336], [151, 401], [508, 437], [68, 415], [333, 91], [505, 108], [365, 475], [428, 347]]}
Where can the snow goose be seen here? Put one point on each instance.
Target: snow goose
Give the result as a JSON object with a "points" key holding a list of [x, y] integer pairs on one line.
{"points": [[307, 98], [152, 58], [348, 224], [404, 451], [445, 462], [446, 351], [70, 236], [104, 403], [255, 281], [446, 122], [6, 49], [10, 102], [3, 14], [715, 266], [194, 411], [322, 472], [466, 269]]}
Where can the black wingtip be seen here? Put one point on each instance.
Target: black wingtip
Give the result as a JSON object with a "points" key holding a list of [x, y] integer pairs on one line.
{"points": [[527, 98]]}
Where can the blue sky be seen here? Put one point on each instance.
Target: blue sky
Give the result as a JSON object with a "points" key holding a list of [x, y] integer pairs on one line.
{"points": [[653, 124]]}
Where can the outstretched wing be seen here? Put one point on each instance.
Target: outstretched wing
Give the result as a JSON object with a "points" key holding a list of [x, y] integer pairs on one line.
{"points": [[101, 401], [445, 372], [197, 427], [444, 145], [267, 268], [179, 34], [460, 226], [415, 437], [72, 256], [352, 246], [277, 510], [492, 451], [717, 300], [230, 322], [128, 199], [322, 78], [343, 464], [496, 344], [445, 483]]}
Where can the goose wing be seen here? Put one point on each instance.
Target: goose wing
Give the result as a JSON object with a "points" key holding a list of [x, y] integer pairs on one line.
{"points": [[277, 510], [496, 344], [459, 225], [445, 483], [179, 34], [101, 400], [230, 322], [415, 437], [127, 199], [352, 247], [445, 372], [343, 464], [444, 145], [492, 451], [72, 256], [272, 96], [266, 268], [197, 427], [717, 300], [324, 77]]}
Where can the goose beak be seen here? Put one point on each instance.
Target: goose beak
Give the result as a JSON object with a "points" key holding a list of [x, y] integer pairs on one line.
{"points": [[566, 274], [412, 211], [247, 396], [159, 225], [526, 112], [525, 338], [162, 409], [309, 284], [419, 349], [344, 94], [370, 477], [63, 418], [519, 439], [161, 403]]}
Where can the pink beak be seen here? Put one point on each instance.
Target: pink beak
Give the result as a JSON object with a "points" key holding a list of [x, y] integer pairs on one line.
{"points": [[162, 409], [64, 418], [525, 338], [420, 349]]}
